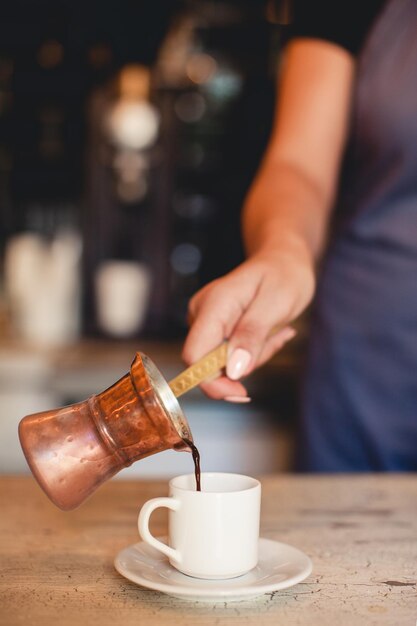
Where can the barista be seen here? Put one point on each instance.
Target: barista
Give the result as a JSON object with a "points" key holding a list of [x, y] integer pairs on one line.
{"points": [[344, 151]]}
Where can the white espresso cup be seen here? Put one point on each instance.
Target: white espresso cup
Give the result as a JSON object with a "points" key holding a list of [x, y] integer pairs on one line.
{"points": [[212, 533]]}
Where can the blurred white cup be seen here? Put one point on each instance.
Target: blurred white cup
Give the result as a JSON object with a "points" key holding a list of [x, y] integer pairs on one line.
{"points": [[122, 296]]}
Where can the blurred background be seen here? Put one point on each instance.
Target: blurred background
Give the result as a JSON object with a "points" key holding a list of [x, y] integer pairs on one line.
{"points": [[129, 135]]}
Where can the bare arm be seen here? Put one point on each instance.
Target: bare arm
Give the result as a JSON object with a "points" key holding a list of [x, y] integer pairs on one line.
{"points": [[294, 189], [285, 217]]}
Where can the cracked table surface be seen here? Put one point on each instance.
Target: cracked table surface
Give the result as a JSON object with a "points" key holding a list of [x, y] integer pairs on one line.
{"points": [[359, 530]]}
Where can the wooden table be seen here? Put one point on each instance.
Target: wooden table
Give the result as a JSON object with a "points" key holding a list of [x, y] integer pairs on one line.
{"points": [[360, 531]]}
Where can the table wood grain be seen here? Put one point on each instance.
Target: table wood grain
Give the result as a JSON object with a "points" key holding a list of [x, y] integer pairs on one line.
{"points": [[360, 531]]}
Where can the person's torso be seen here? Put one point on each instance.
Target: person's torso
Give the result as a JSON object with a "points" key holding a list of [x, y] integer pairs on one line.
{"points": [[371, 265]]}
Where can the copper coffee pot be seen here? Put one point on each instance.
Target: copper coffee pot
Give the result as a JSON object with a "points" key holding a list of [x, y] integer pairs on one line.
{"points": [[72, 450]]}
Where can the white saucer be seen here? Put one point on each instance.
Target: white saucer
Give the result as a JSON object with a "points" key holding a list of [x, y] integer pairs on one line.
{"points": [[280, 566]]}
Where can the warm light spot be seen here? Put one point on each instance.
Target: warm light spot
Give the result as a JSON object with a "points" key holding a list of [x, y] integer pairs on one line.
{"points": [[133, 124], [99, 56], [50, 54], [200, 68], [134, 82]]}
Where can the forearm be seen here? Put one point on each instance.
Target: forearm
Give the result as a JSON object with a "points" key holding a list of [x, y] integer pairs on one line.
{"points": [[290, 201], [285, 218], [285, 210]]}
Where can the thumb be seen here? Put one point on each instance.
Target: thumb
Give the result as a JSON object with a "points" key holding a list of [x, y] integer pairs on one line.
{"points": [[244, 348]]}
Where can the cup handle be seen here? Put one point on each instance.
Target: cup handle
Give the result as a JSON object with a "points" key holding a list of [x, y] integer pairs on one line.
{"points": [[143, 525]]}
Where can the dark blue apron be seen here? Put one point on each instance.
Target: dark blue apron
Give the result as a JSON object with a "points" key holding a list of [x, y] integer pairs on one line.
{"points": [[359, 405]]}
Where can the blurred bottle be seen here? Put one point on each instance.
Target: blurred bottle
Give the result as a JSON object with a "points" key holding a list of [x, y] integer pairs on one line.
{"points": [[123, 129]]}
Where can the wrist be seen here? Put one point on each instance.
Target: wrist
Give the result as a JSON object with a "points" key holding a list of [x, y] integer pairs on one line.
{"points": [[292, 259], [289, 246]]}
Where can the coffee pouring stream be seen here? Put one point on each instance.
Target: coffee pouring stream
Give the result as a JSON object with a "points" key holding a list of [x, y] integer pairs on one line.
{"points": [[72, 450]]}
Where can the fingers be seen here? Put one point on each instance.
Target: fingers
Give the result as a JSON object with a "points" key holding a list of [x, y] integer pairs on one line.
{"points": [[232, 390], [240, 359], [213, 313], [252, 332], [244, 307], [223, 387], [275, 343]]}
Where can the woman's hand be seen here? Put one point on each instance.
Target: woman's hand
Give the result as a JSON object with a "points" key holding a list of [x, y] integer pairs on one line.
{"points": [[285, 219], [267, 291]]}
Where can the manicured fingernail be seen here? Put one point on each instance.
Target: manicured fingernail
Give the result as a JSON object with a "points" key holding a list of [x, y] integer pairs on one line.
{"points": [[238, 399], [238, 363]]}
